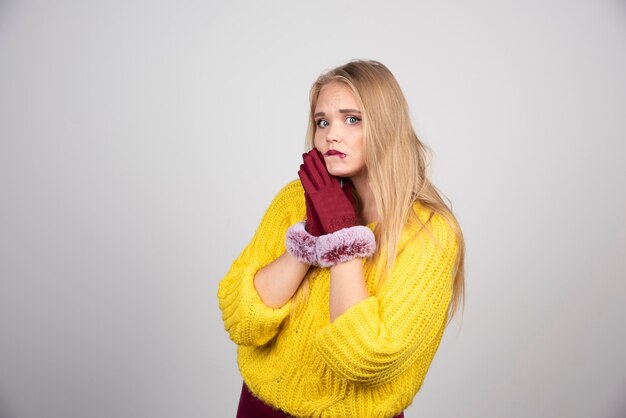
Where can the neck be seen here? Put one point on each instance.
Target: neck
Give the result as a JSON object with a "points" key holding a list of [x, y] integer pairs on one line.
{"points": [[368, 213]]}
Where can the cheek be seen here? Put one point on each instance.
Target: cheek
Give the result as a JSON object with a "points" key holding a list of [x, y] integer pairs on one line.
{"points": [[357, 144], [317, 140]]}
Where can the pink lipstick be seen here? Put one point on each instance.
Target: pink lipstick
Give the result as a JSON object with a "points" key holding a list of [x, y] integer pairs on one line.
{"points": [[332, 152]]}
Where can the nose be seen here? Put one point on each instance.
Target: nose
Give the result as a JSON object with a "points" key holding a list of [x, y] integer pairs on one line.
{"points": [[333, 135]]}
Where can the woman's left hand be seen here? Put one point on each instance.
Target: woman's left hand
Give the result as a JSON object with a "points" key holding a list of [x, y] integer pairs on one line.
{"points": [[329, 201]]}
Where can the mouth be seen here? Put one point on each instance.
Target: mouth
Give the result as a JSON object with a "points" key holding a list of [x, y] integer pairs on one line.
{"points": [[332, 152]]}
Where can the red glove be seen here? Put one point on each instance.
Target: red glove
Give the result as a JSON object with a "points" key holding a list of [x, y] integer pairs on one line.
{"points": [[329, 207], [312, 224]]}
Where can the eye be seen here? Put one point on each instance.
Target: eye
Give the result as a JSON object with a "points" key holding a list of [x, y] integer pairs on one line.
{"points": [[352, 120], [322, 123]]}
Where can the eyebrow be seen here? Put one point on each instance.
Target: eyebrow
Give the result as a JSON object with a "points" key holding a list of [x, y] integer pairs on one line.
{"points": [[340, 111]]}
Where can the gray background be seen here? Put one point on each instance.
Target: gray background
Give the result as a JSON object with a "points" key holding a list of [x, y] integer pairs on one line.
{"points": [[140, 143]]}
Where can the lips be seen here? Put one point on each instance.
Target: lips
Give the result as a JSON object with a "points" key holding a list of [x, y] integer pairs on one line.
{"points": [[332, 152]]}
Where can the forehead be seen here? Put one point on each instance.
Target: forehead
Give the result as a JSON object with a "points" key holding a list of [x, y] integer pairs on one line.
{"points": [[336, 96]]}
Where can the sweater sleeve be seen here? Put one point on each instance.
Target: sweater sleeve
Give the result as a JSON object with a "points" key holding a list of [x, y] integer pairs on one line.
{"points": [[246, 318], [380, 337]]}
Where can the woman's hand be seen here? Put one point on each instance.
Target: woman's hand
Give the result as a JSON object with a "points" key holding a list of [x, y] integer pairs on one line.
{"points": [[329, 206], [312, 224]]}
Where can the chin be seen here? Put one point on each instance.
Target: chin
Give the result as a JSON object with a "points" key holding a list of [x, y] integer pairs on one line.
{"points": [[341, 170], [339, 173]]}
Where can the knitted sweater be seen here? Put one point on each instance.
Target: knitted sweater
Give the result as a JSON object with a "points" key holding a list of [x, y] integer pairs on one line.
{"points": [[370, 361]]}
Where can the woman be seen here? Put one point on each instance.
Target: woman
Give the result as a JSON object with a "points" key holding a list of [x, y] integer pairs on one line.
{"points": [[340, 300]]}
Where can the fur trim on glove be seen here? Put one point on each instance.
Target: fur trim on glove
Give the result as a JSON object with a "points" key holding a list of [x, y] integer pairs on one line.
{"points": [[301, 244], [345, 244]]}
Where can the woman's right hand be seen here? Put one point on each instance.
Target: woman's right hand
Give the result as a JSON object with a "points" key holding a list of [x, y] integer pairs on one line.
{"points": [[312, 224]]}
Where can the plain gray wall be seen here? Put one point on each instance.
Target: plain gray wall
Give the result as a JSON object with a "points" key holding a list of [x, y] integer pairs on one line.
{"points": [[141, 141]]}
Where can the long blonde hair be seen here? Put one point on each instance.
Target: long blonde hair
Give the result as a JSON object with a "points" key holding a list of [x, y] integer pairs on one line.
{"points": [[393, 156]]}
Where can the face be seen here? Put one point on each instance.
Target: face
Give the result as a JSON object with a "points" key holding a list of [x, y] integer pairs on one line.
{"points": [[339, 132]]}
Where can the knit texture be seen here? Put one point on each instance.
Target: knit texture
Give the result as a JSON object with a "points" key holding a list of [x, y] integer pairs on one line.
{"points": [[369, 362]]}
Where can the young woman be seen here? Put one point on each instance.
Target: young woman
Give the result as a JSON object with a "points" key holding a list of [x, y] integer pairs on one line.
{"points": [[340, 300]]}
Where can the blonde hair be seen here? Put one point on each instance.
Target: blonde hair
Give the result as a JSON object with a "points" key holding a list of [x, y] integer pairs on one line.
{"points": [[393, 156]]}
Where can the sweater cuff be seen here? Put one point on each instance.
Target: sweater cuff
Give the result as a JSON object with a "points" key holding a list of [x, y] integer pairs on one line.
{"points": [[344, 245], [259, 322], [348, 345]]}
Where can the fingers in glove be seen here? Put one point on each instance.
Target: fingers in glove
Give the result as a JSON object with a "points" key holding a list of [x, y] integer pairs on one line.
{"points": [[308, 185], [320, 166], [313, 169]]}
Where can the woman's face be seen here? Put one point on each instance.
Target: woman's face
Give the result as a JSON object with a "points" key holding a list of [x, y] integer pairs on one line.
{"points": [[339, 132]]}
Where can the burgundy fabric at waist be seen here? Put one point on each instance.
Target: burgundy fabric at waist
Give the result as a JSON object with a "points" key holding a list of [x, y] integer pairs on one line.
{"points": [[251, 407]]}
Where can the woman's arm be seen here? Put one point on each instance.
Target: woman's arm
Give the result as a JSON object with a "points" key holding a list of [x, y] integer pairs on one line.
{"points": [[347, 286], [247, 318], [379, 337], [278, 281]]}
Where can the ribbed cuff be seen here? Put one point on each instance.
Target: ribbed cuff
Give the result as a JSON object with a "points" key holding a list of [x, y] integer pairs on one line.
{"points": [[301, 244], [345, 244]]}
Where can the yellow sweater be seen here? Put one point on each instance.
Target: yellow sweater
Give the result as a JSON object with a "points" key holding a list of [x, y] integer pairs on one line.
{"points": [[369, 362]]}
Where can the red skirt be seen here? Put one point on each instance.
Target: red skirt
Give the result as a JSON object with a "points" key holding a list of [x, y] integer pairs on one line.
{"points": [[251, 407]]}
